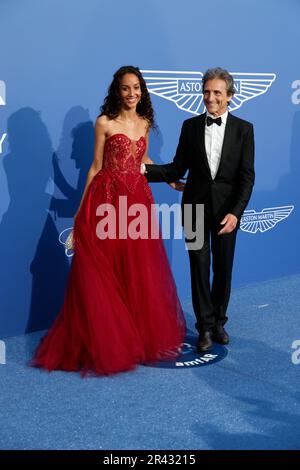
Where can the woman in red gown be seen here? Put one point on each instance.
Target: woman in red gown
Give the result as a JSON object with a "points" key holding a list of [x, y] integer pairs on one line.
{"points": [[121, 306]]}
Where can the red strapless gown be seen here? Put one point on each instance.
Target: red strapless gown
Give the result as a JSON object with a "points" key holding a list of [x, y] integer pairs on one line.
{"points": [[121, 306]]}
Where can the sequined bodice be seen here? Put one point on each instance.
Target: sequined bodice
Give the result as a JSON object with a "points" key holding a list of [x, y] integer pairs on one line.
{"points": [[123, 154], [121, 170]]}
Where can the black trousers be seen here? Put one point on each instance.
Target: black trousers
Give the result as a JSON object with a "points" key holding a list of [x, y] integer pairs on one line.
{"points": [[210, 300]]}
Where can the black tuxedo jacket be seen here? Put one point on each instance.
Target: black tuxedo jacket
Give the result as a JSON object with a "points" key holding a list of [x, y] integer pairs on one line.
{"points": [[231, 189]]}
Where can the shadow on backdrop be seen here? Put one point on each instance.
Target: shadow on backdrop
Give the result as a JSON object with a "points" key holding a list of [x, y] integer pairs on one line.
{"points": [[81, 151], [50, 262], [28, 169]]}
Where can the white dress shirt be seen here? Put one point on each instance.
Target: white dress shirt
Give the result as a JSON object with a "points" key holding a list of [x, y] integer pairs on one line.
{"points": [[214, 137]]}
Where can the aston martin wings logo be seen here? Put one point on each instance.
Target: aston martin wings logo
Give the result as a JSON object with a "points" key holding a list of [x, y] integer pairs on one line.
{"points": [[2, 93], [185, 88], [253, 222]]}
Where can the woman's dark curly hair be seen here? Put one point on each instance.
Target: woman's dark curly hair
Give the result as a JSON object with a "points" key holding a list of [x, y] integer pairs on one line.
{"points": [[112, 103]]}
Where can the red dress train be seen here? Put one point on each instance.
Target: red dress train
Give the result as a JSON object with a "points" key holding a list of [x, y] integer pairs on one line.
{"points": [[121, 306]]}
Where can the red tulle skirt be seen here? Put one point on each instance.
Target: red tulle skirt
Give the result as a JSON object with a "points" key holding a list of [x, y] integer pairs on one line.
{"points": [[121, 306]]}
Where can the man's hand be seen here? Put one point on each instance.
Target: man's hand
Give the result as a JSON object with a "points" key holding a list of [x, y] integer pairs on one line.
{"points": [[229, 222], [143, 168], [178, 185]]}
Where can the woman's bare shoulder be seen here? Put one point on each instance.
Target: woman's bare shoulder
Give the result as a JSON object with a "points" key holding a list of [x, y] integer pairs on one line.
{"points": [[102, 120], [102, 124]]}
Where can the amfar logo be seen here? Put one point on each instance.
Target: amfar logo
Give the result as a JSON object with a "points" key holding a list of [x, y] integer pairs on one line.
{"points": [[189, 357], [2, 93], [253, 222], [185, 88]]}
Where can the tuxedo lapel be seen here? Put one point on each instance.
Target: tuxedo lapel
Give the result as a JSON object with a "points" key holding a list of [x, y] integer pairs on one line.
{"points": [[200, 138], [228, 137]]}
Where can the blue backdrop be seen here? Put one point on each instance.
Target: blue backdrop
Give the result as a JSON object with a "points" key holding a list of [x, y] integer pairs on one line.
{"points": [[56, 62]]}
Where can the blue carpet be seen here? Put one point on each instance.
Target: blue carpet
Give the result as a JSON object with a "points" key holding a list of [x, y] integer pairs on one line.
{"points": [[248, 400]]}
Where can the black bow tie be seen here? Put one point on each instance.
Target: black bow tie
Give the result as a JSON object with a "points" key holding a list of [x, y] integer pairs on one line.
{"points": [[210, 121]]}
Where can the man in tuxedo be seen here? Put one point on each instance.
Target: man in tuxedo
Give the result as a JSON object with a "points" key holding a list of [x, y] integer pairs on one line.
{"points": [[217, 150]]}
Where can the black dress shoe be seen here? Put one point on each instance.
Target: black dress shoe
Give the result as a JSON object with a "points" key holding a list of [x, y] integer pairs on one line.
{"points": [[220, 335], [204, 342]]}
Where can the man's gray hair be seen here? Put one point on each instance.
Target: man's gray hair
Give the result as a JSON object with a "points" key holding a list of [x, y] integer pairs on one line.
{"points": [[222, 74]]}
